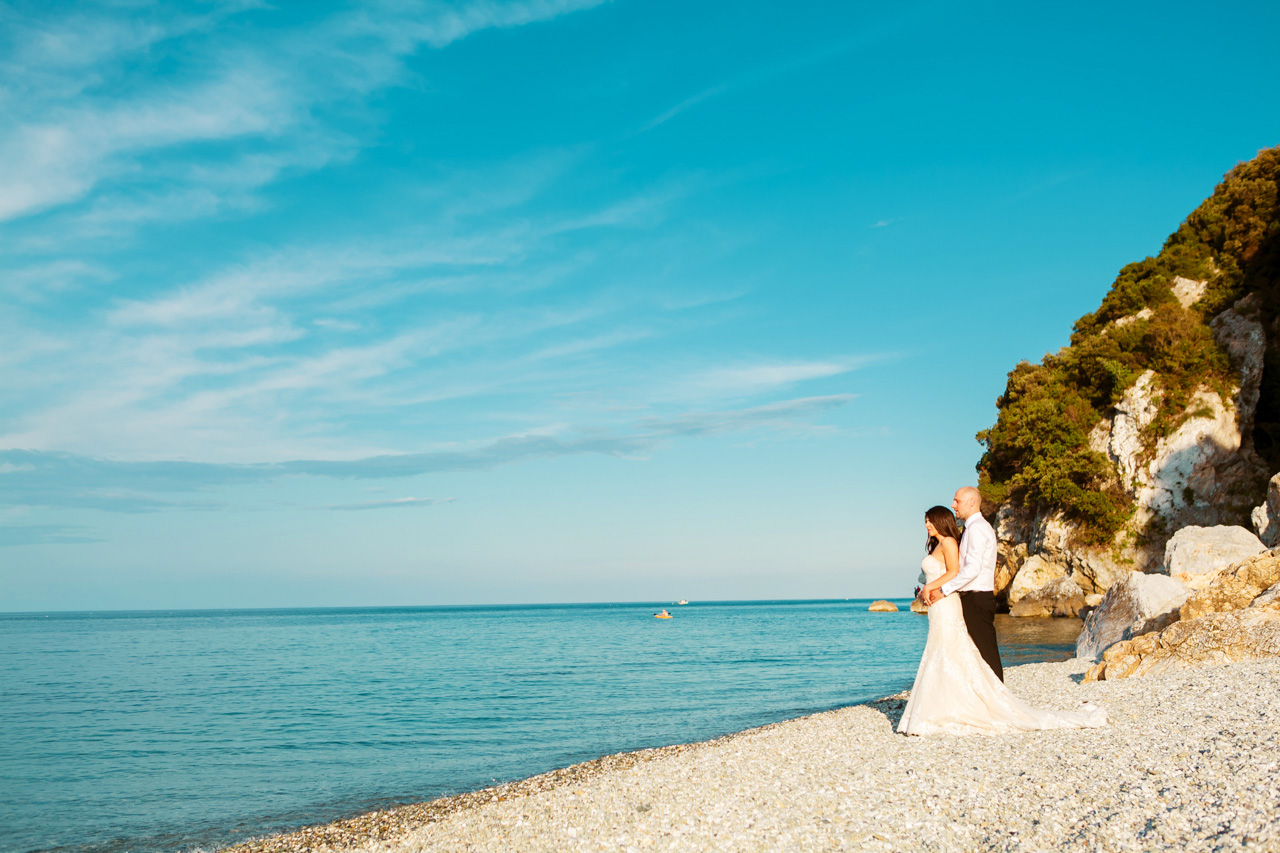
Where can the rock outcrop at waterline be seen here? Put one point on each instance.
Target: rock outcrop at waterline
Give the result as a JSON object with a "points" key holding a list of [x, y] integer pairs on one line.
{"points": [[1204, 473], [1161, 415]]}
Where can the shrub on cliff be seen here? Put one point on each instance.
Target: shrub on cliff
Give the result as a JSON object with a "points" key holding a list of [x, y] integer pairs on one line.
{"points": [[1038, 451]]}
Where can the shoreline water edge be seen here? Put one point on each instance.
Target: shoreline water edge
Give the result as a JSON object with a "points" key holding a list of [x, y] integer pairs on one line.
{"points": [[1191, 761]]}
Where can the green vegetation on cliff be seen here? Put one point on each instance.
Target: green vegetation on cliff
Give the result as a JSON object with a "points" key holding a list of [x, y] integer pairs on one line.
{"points": [[1038, 452]]}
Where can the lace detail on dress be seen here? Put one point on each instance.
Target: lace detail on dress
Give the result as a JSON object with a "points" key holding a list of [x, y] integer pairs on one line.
{"points": [[955, 692]]}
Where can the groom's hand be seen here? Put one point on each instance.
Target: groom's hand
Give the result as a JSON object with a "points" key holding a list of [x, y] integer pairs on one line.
{"points": [[934, 595]]}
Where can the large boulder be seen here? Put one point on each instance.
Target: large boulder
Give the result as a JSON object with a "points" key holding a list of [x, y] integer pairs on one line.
{"points": [[1036, 574], [1137, 604], [1235, 586], [1199, 550], [1235, 617], [1217, 638], [1097, 570], [1059, 597]]}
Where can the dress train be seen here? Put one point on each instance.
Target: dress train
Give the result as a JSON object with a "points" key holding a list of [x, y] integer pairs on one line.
{"points": [[955, 692]]}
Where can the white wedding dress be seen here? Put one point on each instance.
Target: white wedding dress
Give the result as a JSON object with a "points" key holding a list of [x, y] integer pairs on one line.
{"points": [[957, 693]]}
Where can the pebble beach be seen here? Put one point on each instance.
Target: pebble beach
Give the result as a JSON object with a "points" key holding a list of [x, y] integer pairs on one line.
{"points": [[1190, 762]]}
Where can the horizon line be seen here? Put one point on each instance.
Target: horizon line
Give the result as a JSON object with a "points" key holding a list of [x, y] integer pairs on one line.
{"points": [[354, 608]]}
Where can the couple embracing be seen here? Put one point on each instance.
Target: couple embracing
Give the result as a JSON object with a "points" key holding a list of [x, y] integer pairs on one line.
{"points": [[959, 687]]}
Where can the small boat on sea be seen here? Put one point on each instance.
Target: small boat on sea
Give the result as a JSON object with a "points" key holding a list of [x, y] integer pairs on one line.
{"points": [[663, 615], [683, 601]]}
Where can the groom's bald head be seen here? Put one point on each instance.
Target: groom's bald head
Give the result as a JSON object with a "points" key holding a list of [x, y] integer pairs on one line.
{"points": [[967, 501]]}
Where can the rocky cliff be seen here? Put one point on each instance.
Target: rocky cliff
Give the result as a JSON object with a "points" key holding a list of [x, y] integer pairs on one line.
{"points": [[1163, 413]]}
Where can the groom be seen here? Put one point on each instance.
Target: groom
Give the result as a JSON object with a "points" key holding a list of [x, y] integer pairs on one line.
{"points": [[976, 580]]}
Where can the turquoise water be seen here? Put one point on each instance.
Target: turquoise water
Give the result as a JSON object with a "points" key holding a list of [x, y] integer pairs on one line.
{"points": [[163, 731]]}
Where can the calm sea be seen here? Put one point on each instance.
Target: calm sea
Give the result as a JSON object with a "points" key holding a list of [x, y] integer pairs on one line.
{"points": [[173, 730]]}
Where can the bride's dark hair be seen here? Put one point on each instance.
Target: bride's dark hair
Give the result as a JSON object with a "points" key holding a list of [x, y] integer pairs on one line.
{"points": [[943, 521]]}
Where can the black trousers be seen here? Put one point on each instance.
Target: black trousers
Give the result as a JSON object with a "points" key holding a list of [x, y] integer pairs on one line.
{"points": [[979, 610]]}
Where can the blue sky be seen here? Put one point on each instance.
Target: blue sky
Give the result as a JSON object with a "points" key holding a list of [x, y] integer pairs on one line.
{"points": [[428, 303]]}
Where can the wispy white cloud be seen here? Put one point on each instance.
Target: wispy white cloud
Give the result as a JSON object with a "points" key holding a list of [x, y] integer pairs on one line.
{"points": [[68, 134], [337, 358], [782, 415], [64, 480], [13, 535], [53, 159], [692, 100], [38, 282], [755, 378], [392, 503], [777, 68], [243, 356]]}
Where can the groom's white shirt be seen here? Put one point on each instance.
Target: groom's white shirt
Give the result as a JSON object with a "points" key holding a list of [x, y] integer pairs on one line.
{"points": [[977, 558]]}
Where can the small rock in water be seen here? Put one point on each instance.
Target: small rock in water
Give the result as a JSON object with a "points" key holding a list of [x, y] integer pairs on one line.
{"points": [[883, 606]]}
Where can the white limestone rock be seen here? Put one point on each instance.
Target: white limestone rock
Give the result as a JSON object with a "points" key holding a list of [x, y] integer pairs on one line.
{"points": [[1268, 597], [1211, 640], [1100, 437], [1198, 550], [1013, 524], [1009, 559], [1206, 470], [1052, 537], [1036, 574], [1059, 597], [1144, 314], [1239, 331], [1266, 518], [1188, 291], [1133, 413], [1184, 470], [1233, 587], [1138, 603], [1093, 569], [1096, 571]]}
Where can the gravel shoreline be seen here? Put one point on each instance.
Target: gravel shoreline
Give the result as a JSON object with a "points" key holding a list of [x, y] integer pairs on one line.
{"points": [[1190, 762]]}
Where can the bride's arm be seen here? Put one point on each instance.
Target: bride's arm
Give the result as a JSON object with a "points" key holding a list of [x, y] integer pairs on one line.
{"points": [[950, 551]]}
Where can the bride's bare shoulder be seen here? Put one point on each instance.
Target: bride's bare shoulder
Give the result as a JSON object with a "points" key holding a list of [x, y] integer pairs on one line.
{"points": [[948, 545]]}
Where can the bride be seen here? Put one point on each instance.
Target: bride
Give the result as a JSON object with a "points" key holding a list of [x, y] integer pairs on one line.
{"points": [[955, 691]]}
